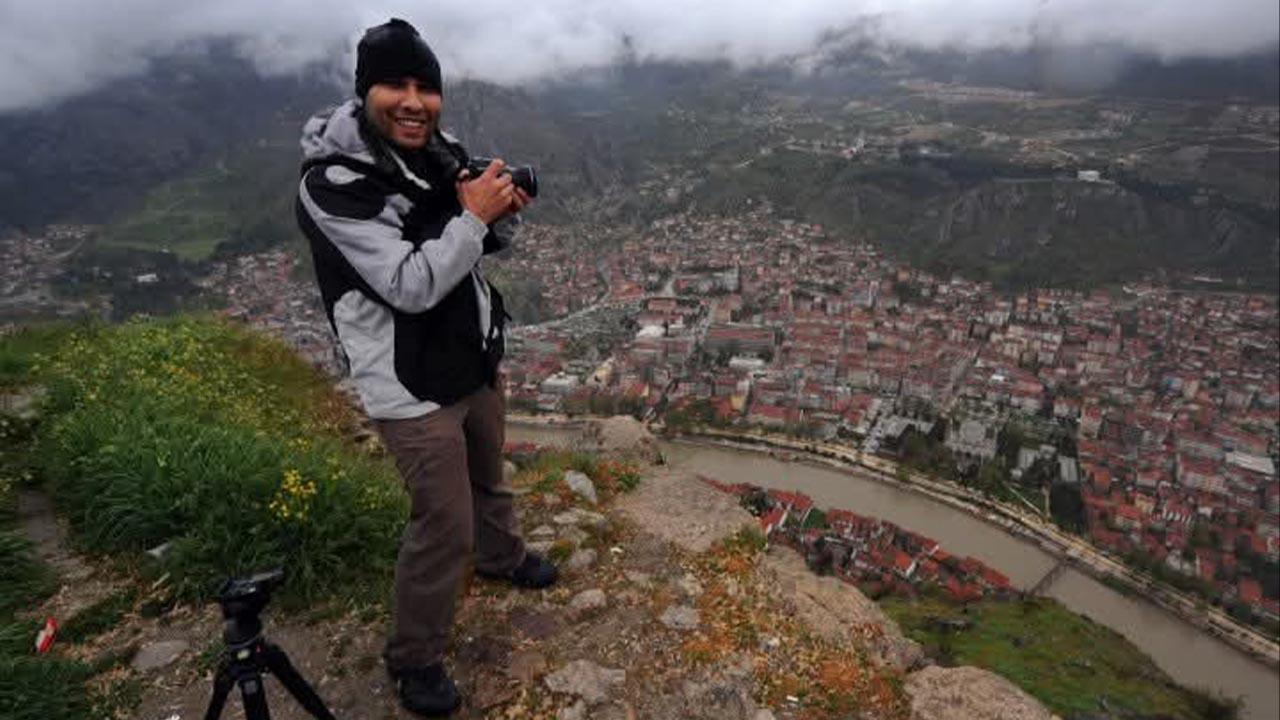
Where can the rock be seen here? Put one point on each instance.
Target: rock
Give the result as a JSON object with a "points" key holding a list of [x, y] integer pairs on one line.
{"points": [[574, 534], [581, 486], [576, 711], [542, 547], [156, 655], [639, 578], [680, 617], [621, 436], [585, 679], [536, 625], [593, 599], [490, 690], [543, 532], [526, 665], [724, 695], [679, 508], [614, 711], [580, 560], [630, 597], [158, 552], [836, 610], [690, 586], [24, 403], [764, 714], [577, 516], [968, 693]]}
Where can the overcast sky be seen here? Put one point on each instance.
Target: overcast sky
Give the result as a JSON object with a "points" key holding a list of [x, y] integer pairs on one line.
{"points": [[52, 49]]}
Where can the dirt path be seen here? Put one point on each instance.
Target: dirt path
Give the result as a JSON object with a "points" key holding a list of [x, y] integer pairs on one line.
{"points": [[80, 583]]}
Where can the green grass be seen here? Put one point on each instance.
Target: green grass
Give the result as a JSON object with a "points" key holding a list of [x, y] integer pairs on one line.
{"points": [[1063, 659], [244, 198], [198, 433], [21, 576], [21, 350], [188, 216], [43, 688]]}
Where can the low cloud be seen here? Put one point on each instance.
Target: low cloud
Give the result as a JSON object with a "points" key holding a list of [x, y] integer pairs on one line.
{"points": [[54, 49]]}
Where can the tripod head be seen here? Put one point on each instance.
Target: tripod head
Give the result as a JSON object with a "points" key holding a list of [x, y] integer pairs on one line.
{"points": [[249, 654], [242, 601]]}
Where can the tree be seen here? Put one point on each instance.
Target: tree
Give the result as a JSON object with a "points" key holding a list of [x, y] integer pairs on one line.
{"points": [[991, 478], [902, 474], [1067, 507]]}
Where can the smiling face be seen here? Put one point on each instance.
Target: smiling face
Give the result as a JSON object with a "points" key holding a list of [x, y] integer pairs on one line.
{"points": [[403, 111]]}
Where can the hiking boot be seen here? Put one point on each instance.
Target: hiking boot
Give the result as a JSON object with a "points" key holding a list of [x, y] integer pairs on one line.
{"points": [[426, 690], [534, 572]]}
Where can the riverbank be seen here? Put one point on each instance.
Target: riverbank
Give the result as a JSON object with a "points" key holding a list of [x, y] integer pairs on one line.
{"points": [[1068, 549], [1073, 665], [1065, 548]]}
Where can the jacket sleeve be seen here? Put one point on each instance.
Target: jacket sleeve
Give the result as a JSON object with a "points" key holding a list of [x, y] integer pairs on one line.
{"points": [[354, 213], [501, 234]]}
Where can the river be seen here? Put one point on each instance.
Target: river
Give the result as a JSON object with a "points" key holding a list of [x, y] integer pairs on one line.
{"points": [[1188, 655]]}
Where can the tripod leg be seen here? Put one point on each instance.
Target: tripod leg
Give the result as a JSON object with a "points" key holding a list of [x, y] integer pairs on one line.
{"points": [[222, 684], [254, 696], [278, 663]]}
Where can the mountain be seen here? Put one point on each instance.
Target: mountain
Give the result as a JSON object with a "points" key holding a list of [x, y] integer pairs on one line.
{"points": [[1102, 69], [90, 158], [961, 163]]}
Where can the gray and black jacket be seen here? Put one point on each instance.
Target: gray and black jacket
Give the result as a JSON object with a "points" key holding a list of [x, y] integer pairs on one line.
{"points": [[397, 261]]}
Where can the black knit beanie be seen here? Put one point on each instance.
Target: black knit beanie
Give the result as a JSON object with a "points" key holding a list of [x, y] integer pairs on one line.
{"points": [[392, 51]]}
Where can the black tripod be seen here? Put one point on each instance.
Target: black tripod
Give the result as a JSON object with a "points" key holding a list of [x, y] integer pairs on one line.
{"points": [[249, 654]]}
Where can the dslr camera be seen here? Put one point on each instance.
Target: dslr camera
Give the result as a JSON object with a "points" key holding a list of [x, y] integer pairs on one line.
{"points": [[524, 176]]}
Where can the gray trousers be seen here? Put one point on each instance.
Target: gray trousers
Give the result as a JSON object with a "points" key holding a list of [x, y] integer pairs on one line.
{"points": [[451, 464]]}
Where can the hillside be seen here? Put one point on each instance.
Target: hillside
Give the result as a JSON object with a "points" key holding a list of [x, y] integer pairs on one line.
{"points": [[199, 157], [170, 501]]}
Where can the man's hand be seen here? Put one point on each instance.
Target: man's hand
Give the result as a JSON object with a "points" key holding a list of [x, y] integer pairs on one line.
{"points": [[518, 201], [490, 196]]}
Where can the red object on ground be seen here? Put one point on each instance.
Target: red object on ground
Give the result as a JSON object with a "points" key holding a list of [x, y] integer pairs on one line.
{"points": [[44, 638]]}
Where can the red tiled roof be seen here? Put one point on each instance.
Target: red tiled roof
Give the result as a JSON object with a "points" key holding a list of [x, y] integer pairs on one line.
{"points": [[798, 501], [1250, 590], [901, 561], [771, 519]]}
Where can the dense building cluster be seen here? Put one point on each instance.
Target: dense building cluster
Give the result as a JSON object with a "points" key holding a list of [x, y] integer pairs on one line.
{"points": [[874, 554], [1156, 406]]}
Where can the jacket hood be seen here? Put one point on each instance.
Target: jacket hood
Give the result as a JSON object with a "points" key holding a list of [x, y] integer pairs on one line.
{"points": [[336, 132]]}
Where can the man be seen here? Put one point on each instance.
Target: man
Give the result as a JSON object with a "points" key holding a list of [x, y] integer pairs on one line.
{"points": [[397, 233]]}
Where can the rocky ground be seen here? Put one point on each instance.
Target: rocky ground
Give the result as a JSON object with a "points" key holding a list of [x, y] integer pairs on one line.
{"points": [[667, 609]]}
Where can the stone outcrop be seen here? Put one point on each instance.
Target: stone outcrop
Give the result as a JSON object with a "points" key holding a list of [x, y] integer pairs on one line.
{"points": [[585, 679], [968, 693], [681, 509], [620, 436], [836, 610]]}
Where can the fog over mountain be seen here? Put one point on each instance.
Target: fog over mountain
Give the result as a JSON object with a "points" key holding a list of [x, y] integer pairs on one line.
{"points": [[56, 49]]}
